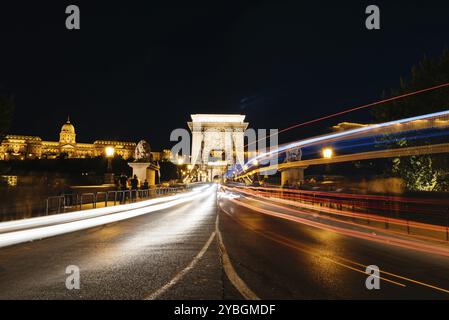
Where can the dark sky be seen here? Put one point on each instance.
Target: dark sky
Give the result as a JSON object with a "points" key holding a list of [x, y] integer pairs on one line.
{"points": [[138, 69]]}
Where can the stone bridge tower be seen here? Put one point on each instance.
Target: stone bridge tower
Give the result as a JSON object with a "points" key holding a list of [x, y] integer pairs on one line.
{"points": [[217, 143]]}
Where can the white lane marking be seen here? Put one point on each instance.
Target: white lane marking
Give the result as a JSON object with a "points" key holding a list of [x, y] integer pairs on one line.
{"points": [[183, 272], [232, 275]]}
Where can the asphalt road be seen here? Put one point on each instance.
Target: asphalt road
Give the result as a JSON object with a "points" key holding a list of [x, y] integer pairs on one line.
{"points": [[175, 254], [280, 259], [131, 259]]}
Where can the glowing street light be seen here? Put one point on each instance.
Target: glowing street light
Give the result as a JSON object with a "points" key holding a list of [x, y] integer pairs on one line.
{"points": [[109, 151], [180, 161], [255, 162], [327, 153], [109, 176], [190, 167]]}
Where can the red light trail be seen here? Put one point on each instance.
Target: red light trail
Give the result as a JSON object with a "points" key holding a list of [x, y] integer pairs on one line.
{"points": [[443, 85]]}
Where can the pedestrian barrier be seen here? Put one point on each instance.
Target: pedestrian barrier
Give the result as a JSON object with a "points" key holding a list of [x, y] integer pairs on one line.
{"points": [[89, 200], [421, 217], [59, 201]]}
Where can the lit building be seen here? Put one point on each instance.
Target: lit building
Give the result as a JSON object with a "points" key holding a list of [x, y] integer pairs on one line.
{"points": [[33, 147], [441, 122], [343, 126], [217, 143]]}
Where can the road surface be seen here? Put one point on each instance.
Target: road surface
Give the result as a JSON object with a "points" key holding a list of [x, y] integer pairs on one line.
{"points": [[184, 252]]}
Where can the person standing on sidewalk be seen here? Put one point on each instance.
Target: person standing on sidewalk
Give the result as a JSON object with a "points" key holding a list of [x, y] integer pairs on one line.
{"points": [[134, 186]]}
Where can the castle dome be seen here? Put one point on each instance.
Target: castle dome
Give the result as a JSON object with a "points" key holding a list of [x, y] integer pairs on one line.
{"points": [[67, 134], [68, 127]]}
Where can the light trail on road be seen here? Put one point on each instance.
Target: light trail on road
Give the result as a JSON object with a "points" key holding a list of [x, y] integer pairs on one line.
{"points": [[125, 259], [379, 238], [401, 222], [173, 254], [370, 217], [346, 263], [85, 214], [96, 218], [287, 243]]}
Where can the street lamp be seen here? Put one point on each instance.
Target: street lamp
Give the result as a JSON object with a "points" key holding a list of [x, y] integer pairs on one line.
{"points": [[109, 176], [180, 162], [109, 151], [327, 153], [255, 162]]}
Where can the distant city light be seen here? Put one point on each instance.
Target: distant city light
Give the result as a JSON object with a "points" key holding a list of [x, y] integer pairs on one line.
{"points": [[10, 180]]}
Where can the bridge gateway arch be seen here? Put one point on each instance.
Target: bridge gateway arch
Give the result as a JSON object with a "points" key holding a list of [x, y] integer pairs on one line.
{"points": [[217, 143]]}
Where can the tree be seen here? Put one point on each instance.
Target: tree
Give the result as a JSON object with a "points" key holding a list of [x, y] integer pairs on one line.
{"points": [[423, 172], [427, 73]]}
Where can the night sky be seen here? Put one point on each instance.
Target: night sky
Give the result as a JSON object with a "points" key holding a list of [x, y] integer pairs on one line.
{"points": [[138, 69]]}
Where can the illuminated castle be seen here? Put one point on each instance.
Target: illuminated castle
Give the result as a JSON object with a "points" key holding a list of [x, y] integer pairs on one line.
{"points": [[33, 147]]}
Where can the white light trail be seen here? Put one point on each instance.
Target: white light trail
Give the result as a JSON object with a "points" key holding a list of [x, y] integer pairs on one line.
{"points": [[120, 213], [85, 214], [348, 133]]}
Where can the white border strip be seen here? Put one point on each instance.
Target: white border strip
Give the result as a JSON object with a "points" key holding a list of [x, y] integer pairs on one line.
{"points": [[232, 275], [183, 272]]}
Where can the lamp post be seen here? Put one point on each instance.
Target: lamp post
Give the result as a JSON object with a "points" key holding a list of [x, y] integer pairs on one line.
{"points": [[109, 151], [180, 162], [109, 175], [328, 153]]}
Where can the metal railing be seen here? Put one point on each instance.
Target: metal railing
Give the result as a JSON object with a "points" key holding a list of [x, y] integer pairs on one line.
{"points": [[401, 214], [91, 200], [36, 207], [60, 203]]}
